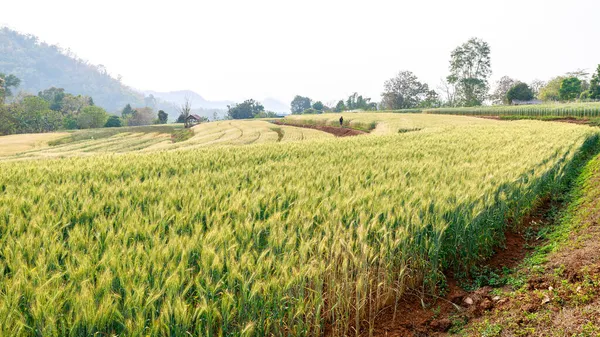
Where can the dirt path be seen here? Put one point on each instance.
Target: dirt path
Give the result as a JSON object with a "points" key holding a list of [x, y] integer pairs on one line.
{"points": [[336, 131], [459, 306]]}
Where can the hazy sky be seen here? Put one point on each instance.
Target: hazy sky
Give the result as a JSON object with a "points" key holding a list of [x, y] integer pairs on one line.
{"points": [[323, 49]]}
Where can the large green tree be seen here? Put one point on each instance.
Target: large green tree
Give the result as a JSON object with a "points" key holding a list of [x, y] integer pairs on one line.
{"points": [[318, 105], [404, 91], [92, 117], [551, 91], [299, 104], [358, 102], [519, 92], [340, 106], [470, 69], [54, 96], [247, 109], [163, 117], [113, 122], [570, 89], [127, 111], [7, 121], [33, 115], [594, 91]]}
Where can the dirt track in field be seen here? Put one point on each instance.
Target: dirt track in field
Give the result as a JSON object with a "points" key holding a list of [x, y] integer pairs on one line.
{"points": [[336, 131]]}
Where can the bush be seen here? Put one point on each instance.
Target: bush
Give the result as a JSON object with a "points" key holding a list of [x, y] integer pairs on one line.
{"points": [[70, 123], [113, 122]]}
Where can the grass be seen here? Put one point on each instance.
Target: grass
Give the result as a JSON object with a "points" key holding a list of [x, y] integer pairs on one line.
{"points": [[279, 238]]}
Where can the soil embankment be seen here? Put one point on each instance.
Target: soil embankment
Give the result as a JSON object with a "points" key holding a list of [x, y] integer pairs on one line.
{"points": [[334, 130]]}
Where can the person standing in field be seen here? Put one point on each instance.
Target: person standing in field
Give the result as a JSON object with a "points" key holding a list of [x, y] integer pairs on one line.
{"points": [[341, 121]]}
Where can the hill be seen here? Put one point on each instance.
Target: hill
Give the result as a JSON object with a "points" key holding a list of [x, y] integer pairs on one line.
{"points": [[200, 103], [41, 66]]}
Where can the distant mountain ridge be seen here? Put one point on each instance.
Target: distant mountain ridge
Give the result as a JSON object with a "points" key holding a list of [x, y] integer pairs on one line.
{"points": [[40, 66], [197, 101]]}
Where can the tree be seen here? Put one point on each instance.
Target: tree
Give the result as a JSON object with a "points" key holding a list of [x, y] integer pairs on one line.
{"points": [[311, 111], [448, 91], [33, 115], [570, 89], [551, 91], [127, 111], [432, 100], [150, 101], [519, 92], [503, 85], [357, 102], [54, 96], [299, 104], [92, 117], [536, 86], [403, 92], [594, 91], [113, 122], [162, 117], [7, 121], [247, 109], [340, 106], [184, 111], [470, 69], [72, 105], [6, 83], [141, 116], [318, 105]]}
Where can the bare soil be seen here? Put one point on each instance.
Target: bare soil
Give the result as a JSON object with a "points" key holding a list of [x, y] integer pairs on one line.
{"points": [[560, 295], [439, 315], [334, 130]]}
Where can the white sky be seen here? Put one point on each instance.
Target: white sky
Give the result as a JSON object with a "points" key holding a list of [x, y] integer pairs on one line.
{"points": [[324, 49]]}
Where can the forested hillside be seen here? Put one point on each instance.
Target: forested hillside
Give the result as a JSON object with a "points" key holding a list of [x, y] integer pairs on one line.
{"points": [[41, 66]]}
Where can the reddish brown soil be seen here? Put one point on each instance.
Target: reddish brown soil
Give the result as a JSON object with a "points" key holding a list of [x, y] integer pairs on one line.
{"points": [[336, 131], [439, 314]]}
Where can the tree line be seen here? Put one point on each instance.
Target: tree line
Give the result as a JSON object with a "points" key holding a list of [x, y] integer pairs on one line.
{"points": [[54, 109], [305, 105], [466, 85]]}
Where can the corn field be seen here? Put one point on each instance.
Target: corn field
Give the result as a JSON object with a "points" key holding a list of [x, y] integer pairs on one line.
{"points": [[274, 239], [583, 110]]}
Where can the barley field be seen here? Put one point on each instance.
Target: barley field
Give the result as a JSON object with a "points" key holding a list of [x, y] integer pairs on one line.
{"points": [[268, 239], [151, 138]]}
